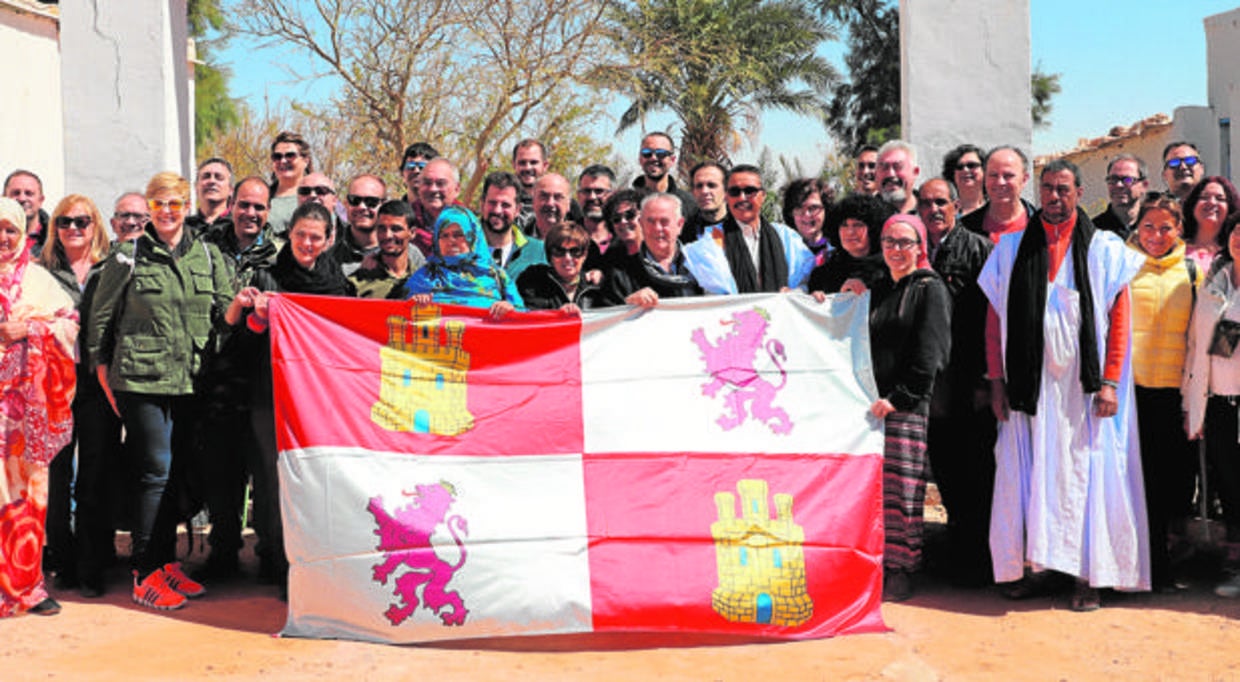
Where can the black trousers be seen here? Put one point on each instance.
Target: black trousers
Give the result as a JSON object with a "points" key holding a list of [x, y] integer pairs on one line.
{"points": [[961, 449], [1223, 455], [1168, 465]]}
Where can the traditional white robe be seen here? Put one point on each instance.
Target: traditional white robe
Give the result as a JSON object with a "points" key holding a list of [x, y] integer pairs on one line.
{"points": [[706, 260], [1068, 488]]}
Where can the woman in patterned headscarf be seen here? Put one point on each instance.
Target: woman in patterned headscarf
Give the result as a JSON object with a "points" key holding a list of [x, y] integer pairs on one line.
{"points": [[460, 269], [37, 382]]}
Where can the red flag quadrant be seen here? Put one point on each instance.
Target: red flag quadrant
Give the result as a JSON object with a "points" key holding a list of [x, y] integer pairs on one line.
{"points": [[389, 376], [706, 466], [759, 545]]}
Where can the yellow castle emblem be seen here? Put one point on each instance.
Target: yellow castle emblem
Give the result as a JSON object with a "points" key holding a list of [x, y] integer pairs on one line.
{"points": [[423, 381], [761, 560]]}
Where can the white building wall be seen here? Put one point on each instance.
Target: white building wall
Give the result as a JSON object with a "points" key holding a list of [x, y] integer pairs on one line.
{"points": [[1223, 82], [965, 76], [1199, 125], [32, 136], [125, 72]]}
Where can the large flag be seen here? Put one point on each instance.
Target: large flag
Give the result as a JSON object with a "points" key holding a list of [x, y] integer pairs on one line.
{"points": [[706, 466]]}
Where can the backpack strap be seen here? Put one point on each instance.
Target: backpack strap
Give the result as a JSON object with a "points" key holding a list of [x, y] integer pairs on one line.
{"points": [[1191, 266]]}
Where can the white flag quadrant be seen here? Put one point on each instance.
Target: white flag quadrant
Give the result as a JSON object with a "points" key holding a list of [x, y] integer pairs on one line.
{"points": [[403, 548], [774, 373]]}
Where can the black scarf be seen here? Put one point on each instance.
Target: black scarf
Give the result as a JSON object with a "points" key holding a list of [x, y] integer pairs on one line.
{"points": [[1027, 307], [326, 278], [771, 260]]}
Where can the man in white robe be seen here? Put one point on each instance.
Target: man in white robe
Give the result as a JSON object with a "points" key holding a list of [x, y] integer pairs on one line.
{"points": [[1068, 489]]}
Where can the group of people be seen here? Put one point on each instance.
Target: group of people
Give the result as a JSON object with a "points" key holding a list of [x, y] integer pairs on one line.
{"points": [[1047, 367]]}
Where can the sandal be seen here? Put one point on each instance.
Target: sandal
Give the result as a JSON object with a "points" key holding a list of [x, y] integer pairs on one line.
{"points": [[1085, 598]]}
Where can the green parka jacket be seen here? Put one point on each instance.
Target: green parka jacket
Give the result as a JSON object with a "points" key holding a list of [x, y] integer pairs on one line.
{"points": [[153, 315]]}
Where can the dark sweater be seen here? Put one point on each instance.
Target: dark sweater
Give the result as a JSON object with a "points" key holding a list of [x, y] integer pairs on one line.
{"points": [[910, 337]]}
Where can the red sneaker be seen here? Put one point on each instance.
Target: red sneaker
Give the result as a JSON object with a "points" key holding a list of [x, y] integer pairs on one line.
{"points": [[154, 593], [182, 583]]}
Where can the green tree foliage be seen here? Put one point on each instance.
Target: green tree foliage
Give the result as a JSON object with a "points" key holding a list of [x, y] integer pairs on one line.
{"points": [[214, 111], [717, 65], [1044, 86], [867, 108]]}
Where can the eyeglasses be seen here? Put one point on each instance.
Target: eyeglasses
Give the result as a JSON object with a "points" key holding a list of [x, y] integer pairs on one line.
{"points": [[937, 201], [80, 222], [1125, 180], [592, 191], [574, 252], [626, 216], [251, 206], [415, 165], [903, 244], [968, 166], [812, 209], [127, 216], [356, 200], [174, 205], [213, 175], [1187, 161], [743, 191], [659, 154], [867, 165], [320, 190], [286, 156]]}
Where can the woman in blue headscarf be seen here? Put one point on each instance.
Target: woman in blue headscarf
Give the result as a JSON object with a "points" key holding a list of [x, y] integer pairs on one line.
{"points": [[460, 270]]}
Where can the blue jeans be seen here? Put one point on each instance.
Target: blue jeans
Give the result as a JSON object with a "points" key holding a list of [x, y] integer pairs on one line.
{"points": [[155, 431]]}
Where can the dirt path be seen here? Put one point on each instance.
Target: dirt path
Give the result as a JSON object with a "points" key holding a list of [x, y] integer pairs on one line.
{"points": [[941, 634]]}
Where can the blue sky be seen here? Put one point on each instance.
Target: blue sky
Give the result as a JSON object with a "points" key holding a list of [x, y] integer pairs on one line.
{"points": [[1120, 61]]}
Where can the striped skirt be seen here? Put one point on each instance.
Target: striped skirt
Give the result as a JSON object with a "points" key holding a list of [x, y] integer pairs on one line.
{"points": [[904, 489]]}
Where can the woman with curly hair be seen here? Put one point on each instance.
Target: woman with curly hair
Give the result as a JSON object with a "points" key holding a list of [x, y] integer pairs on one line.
{"points": [[853, 227]]}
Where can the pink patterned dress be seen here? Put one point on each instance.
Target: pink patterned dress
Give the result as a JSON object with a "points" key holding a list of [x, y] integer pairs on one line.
{"points": [[37, 383]]}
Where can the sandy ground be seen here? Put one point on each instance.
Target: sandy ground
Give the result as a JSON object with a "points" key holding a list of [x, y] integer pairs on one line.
{"points": [[941, 634]]}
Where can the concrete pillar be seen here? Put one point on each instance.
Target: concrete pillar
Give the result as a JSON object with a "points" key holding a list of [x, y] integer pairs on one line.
{"points": [[1223, 84], [964, 76], [127, 108]]}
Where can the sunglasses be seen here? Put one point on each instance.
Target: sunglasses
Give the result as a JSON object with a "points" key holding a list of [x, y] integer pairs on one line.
{"points": [[743, 191], [129, 215], [173, 205], [80, 222], [659, 154], [1187, 161], [968, 165], [415, 165], [1125, 180], [320, 190], [286, 156], [356, 200], [626, 216], [574, 252]]}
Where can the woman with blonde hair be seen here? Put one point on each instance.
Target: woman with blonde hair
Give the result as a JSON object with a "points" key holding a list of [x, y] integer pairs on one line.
{"points": [[37, 333], [160, 299], [77, 551]]}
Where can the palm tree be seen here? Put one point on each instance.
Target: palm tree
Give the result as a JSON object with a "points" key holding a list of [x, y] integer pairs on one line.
{"points": [[717, 64]]}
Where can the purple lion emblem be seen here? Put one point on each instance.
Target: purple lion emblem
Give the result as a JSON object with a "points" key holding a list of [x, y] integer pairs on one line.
{"points": [[405, 538], [732, 362]]}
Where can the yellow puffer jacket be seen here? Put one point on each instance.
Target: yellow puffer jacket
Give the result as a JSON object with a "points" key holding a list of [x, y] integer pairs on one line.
{"points": [[1162, 304]]}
